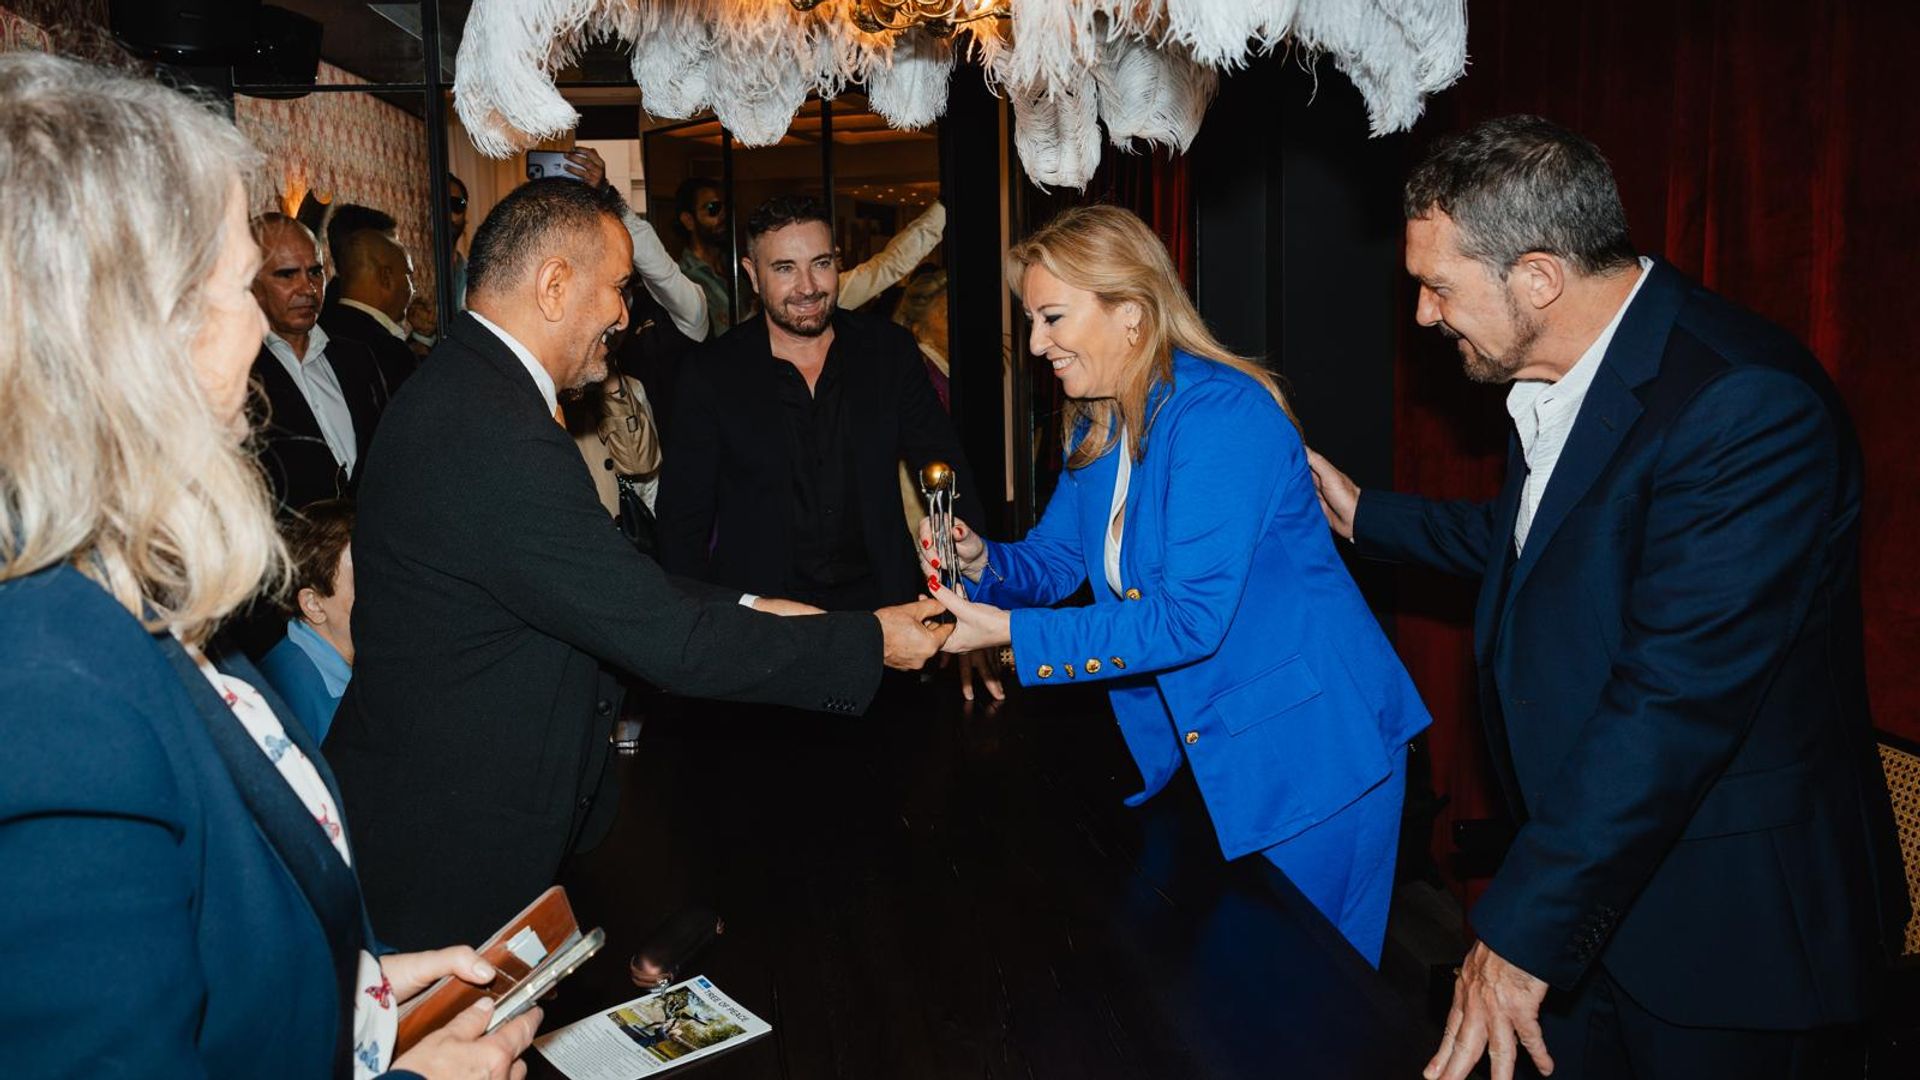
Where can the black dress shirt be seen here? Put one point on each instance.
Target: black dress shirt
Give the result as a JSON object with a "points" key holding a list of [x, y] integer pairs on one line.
{"points": [[736, 508], [830, 566]]}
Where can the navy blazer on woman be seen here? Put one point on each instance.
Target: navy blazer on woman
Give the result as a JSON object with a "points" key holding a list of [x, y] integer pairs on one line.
{"points": [[1672, 679], [1241, 640], [168, 906]]}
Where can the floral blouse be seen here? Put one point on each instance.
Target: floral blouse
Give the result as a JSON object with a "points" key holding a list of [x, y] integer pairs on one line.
{"points": [[375, 1018]]}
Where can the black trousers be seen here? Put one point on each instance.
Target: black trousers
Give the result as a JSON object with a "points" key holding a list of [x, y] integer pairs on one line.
{"points": [[1600, 1033]]}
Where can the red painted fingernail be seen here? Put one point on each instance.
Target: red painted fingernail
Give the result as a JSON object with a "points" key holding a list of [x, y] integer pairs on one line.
{"points": [[933, 582], [935, 562], [926, 543]]}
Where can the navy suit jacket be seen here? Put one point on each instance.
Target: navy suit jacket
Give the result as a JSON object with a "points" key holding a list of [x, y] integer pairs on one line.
{"points": [[1672, 679], [168, 906], [1240, 644]]}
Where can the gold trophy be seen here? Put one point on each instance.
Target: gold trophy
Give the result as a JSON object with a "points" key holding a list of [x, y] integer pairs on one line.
{"points": [[937, 485]]}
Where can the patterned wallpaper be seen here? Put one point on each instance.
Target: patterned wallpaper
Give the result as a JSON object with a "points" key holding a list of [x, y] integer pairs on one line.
{"points": [[70, 27], [17, 33], [343, 147], [346, 147]]}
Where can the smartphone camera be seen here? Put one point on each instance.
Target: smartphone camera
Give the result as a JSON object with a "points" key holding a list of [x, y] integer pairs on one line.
{"points": [[546, 164]]}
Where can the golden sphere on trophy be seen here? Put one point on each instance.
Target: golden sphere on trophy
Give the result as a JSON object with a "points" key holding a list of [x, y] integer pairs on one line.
{"points": [[936, 476]]}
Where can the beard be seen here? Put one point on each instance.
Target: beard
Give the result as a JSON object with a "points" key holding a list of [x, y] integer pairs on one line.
{"points": [[593, 362], [1484, 367], [803, 325]]}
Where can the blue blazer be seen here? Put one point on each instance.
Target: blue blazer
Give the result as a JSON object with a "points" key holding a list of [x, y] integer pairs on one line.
{"points": [[1672, 679], [168, 907], [301, 685], [1242, 642]]}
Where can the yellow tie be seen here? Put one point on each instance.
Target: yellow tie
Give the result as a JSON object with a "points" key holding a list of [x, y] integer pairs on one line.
{"points": [[559, 415]]}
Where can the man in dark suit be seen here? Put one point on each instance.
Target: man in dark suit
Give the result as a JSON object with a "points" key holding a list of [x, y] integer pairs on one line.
{"points": [[322, 397], [375, 278], [785, 447], [1668, 637], [490, 585]]}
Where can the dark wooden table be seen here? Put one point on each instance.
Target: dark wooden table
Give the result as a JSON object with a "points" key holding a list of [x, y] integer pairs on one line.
{"points": [[934, 892]]}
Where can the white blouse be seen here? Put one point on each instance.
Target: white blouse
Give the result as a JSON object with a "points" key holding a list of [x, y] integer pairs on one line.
{"points": [[1117, 512]]}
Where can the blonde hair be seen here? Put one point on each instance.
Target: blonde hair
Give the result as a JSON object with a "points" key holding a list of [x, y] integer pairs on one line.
{"points": [[113, 197], [1112, 254]]}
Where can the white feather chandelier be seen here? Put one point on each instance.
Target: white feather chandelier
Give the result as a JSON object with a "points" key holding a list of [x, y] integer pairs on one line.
{"points": [[1145, 69]]}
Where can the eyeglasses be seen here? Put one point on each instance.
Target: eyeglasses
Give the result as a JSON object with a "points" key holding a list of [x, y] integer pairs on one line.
{"points": [[457, 203], [713, 207]]}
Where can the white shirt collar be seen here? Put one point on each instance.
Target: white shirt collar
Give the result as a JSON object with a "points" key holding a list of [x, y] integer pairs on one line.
{"points": [[1526, 393], [316, 345], [540, 377], [379, 316]]}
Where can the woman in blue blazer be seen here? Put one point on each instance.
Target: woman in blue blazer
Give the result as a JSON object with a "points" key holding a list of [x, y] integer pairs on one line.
{"points": [[1223, 622], [178, 895]]}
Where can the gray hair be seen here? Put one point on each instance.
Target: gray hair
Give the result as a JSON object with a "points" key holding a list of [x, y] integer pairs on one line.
{"points": [[112, 457], [1519, 184]]}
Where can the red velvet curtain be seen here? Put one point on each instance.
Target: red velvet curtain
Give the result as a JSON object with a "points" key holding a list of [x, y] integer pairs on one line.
{"points": [[1767, 148]]}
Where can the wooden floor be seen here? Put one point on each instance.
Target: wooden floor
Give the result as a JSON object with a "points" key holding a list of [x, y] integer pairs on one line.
{"points": [[927, 892]]}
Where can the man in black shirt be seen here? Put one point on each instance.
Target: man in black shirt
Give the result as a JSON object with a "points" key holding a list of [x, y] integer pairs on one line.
{"points": [[782, 454]]}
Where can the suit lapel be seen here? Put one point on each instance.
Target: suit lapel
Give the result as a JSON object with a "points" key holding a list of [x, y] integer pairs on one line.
{"points": [[288, 408], [1495, 586], [322, 877], [1157, 398], [358, 386], [1608, 413], [468, 332], [1096, 514]]}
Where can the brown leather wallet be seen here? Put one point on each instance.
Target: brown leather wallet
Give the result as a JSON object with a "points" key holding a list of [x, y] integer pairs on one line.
{"points": [[544, 929]]}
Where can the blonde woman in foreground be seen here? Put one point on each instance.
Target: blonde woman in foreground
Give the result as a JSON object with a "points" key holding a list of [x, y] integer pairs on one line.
{"points": [[179, 896]]}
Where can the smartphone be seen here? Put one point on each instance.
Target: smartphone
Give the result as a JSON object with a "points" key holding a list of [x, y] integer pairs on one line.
{"points": [[546, 163], [535, 986]]}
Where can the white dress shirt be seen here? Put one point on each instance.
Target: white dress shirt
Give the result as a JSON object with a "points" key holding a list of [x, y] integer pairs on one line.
{"points": [[1544, 412], [321, 389], [379, 316]]}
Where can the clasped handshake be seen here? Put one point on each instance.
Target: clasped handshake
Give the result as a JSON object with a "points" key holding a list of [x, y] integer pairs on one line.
{"points": [[913, 633]]}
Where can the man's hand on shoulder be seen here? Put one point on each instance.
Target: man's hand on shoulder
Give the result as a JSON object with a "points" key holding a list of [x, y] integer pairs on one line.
{"points": [[907, 641], [1339, 495]]}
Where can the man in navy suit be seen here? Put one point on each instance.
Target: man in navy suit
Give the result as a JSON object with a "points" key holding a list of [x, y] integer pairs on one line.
{"points": [[1668, 639]]}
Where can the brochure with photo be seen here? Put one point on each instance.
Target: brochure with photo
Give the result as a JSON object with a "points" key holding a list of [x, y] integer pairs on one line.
{"points": [[685, 1022]]}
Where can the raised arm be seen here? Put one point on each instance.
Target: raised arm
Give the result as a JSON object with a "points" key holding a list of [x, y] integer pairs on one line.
{"points": [[896, 260], [684, 301]]}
